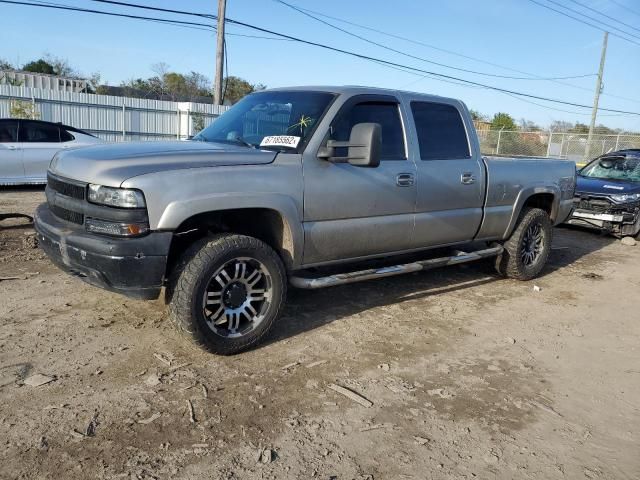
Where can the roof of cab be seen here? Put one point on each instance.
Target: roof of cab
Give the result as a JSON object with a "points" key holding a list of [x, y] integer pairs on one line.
{"points": [[359, 90]]}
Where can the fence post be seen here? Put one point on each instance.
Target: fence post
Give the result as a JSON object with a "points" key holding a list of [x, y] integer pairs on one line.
{"points": [[564, 135], [124, 129], [617, 142], [498, 144], [549, 143]]}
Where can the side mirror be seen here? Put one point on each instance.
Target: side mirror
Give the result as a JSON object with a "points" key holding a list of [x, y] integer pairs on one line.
{"points": [[364, 145]]}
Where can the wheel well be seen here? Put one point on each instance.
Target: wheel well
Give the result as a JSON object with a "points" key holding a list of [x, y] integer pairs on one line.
{"points": [[262, 223], [543, 201]]}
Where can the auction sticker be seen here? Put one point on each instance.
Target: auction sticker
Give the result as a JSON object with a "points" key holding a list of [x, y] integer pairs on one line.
{"points": [[280, 141]]}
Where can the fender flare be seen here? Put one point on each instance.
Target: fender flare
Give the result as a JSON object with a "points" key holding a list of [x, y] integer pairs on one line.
{"points": [[178, 212], [525, 195]]}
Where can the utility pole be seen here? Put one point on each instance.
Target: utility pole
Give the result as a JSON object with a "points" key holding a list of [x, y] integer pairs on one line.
{"points": [[596, 98], [217, 87]]}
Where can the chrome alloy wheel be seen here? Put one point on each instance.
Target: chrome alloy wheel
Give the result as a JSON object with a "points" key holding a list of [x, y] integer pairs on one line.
{"points": [[237, 297], [532, 244]]}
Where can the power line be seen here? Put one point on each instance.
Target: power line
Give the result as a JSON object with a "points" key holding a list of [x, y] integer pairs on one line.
{"points": [[100, 12], [384, 62], [593, 19], [157, 9], [583, 21], [135, 5], [450, 52], [423, 44], [150, 19], [422, 59], [396, 68], [635, 12], [605, 15], [258, 37], [441, 75]]}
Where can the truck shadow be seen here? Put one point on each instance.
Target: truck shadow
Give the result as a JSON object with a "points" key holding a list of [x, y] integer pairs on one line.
{"points": [[310, 309]]}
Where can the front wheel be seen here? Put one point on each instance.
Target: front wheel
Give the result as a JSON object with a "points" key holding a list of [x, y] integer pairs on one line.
{"points": [[527, 250], [227, 292]]}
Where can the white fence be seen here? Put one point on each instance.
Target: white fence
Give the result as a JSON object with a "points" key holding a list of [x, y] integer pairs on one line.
{"points": [[114, 118], [572, 146]]}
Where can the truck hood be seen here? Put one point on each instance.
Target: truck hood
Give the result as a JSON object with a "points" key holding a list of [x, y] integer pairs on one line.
{"points": [[601, 186], [112, 164]]}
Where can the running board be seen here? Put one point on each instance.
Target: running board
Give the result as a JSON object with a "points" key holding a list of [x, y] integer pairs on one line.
{"points": [[370, 274]]}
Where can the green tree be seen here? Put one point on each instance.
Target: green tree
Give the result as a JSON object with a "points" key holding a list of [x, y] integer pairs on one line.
{"points": [[529, 126], [580, 128], [51, 65], [503, 121], [197, 120], [93, 83], [174, 84], [39, 66], [4, 65], [61, 66], [560, 126], [23, 109], [234, 88], [476, 115]]}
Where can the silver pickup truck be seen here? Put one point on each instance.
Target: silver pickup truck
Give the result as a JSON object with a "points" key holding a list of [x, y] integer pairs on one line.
{"points": [[297, 185]]}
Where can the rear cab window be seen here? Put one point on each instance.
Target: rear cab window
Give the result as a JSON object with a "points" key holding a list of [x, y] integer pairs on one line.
{"points": [[441, 131]]}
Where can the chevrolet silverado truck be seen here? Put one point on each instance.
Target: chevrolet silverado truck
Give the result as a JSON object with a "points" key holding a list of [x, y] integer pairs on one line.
{"points": [[302, 186]]}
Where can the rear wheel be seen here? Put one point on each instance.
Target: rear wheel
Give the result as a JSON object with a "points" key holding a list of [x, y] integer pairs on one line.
{"points": [[227, 292], [527, 250]]}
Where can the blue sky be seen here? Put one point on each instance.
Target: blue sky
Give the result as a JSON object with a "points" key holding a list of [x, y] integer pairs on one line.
{"points": [[513, 33]]}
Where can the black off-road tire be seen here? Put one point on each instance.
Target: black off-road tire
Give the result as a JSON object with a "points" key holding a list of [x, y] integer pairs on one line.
{"points": [[190, 278], [510, 263]]}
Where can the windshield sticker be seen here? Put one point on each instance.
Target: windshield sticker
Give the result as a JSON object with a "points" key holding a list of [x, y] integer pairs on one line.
{"points": [[304, 122], [614, 187], [280, 141]]}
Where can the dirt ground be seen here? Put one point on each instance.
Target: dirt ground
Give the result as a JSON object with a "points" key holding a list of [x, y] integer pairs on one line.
{"points": [[470, 375]]}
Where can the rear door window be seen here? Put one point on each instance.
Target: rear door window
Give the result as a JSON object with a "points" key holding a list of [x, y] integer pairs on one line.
{"points": [[65, 136], [387, 114], [8, 131], [35, 132], [441, 132]]}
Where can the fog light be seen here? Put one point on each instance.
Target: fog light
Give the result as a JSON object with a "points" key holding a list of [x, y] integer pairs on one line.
{"points": [[116, 229]]}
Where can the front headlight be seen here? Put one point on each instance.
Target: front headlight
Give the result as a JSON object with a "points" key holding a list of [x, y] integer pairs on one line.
{"points": [[116, 197], [625, 197]]}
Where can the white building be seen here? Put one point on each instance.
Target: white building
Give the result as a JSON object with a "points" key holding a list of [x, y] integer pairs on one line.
{"points": [[41, 80]]}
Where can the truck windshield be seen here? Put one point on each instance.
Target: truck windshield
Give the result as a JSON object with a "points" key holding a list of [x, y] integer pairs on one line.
{"points": [[281, 120], [614, 168]]}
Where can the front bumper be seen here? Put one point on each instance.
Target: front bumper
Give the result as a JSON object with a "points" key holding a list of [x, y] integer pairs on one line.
{"points": [[617, 223], [134, 267]]}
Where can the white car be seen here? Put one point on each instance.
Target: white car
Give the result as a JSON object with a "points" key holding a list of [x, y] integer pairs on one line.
{"points": [[27, 147]]}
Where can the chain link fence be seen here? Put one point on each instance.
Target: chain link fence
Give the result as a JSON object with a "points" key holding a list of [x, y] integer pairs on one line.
{"points": [[549, 144]]}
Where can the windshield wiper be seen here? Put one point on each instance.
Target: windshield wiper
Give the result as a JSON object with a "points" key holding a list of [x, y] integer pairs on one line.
{"points": [[244, 142]]}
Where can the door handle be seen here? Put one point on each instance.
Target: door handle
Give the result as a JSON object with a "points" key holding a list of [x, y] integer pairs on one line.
{"points": [[467, 178], [12, 147], [404, 179]]}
